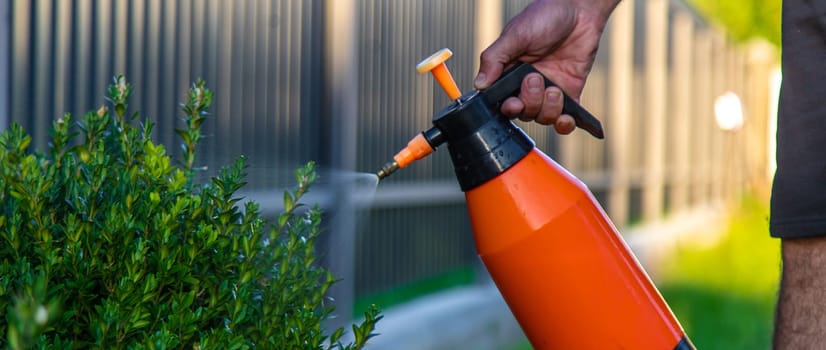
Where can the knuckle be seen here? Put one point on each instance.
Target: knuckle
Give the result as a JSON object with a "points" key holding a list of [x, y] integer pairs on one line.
{"points": [[486, 55]]}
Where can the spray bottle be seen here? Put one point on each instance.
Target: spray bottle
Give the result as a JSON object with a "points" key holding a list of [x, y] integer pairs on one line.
{"points": [[560, 264]]}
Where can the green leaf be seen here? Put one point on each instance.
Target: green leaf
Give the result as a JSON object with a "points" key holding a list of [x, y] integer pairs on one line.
{"points": [[289, 202]]}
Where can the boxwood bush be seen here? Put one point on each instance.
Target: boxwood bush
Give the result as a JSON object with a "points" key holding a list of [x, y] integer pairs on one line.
{"points": [[107, 243]]}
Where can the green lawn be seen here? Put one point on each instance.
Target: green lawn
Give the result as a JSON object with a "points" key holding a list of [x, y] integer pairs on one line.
{"points": [[724, 294]]}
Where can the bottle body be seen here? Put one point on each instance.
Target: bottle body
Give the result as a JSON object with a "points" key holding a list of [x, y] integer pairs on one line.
{"points": [[565, 272]]}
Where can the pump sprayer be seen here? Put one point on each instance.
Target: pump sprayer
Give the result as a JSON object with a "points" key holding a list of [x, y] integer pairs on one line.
{"points": [[508, 85], [558, 261]]}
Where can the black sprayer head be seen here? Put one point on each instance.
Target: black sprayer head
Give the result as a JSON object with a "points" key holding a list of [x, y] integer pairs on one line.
{"points": [[482, 142]]}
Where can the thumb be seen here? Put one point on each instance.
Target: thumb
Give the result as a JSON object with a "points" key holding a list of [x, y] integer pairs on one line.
{"points": [[494, 59]]}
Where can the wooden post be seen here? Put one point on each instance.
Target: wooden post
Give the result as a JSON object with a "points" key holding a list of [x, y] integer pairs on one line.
{"points": [[43, 73], [81, 67], [341, 42], [655, 107], [761, 108], [719, 138], [61, 82], [683, 113], [734, 137], [703, 120], [488, 24], [737, 85], [620, 86], [5, 53]]}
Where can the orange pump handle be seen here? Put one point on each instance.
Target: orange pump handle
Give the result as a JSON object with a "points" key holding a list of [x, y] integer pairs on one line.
{"points": [[435, 64], [416, 149]]}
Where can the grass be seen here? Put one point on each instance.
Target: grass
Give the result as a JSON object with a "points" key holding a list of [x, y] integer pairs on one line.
{"points": [[724, 294]]}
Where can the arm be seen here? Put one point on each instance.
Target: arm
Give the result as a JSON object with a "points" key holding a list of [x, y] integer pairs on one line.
{"points": [[800, 320], [560, 38]]}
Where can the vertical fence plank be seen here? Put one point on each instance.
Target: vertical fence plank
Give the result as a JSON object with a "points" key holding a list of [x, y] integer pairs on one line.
{"points": [[702, 122], [182, 40], [80, 79], [207, 26], [261, 64], [341, 37], [656, 54], [718, 158], [117, 13], [489, 15], [100, 52], [5, 58], [167, 91], [198, 41], [620, 87], [136, 52], [43, 89], [20, 69], [682, 37], [736, 85], [236, 77], [188, 38], [759, 104], [223, 70], [62, 60]]}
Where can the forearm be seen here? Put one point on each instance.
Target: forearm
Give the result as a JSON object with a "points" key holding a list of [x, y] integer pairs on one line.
{"points": [[604, 7], [801, 309]]}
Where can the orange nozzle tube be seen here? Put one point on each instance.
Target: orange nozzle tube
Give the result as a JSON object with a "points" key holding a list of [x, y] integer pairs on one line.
{"points": [[418, 148]]}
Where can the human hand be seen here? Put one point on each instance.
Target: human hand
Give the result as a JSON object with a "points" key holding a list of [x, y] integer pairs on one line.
{"points": [[560, 38]]}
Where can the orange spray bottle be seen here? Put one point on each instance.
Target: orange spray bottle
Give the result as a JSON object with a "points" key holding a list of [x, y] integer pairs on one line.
{"points": [[560, 264]]}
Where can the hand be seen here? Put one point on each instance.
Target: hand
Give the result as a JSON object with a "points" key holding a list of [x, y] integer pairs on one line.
{"points": [[560, 38]]}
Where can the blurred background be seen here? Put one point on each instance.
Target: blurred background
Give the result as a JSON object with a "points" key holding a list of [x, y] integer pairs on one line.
{"points": [[686, 91]]}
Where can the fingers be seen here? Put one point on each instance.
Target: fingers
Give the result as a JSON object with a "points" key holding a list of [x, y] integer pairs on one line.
{"points": [[536, 103], [530, 102], [551, 107], [565, 124], [531, 94], [491, 64], [493, 60], [513, 107]]}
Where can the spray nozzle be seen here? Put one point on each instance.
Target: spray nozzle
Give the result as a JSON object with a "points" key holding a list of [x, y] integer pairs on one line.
{"points": [[424, 144], [417, 148]]}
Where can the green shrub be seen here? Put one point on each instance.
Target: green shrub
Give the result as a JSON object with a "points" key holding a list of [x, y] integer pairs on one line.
{"points": [[104, 243]]}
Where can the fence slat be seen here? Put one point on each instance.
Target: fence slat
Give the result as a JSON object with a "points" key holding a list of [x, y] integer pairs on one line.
{"points": [[656, 99], [5, 46], [620, 109]]}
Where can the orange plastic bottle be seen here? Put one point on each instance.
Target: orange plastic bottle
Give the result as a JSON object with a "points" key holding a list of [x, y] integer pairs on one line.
{"points": [[560, 264], [563, 269]]}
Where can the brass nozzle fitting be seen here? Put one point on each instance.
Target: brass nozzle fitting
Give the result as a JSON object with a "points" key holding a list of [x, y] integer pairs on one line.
{"points": [[416, 149], [387, 169]]}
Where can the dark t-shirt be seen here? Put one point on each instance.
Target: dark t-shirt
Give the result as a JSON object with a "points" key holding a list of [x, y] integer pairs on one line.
{"points": [[798, 203]]}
